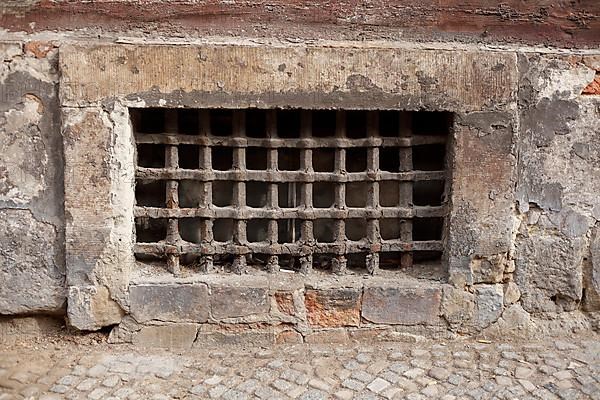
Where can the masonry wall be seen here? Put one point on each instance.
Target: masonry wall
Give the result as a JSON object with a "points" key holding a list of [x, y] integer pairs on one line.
{"points": [[32, 264], [547, 275]]}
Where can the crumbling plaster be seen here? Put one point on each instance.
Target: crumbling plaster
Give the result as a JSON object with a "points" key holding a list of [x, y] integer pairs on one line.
{"points": [[32, 266], [526, 210]]}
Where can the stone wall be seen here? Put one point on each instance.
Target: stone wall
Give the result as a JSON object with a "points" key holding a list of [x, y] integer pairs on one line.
{"points": [[526, 224], [32, 265]]}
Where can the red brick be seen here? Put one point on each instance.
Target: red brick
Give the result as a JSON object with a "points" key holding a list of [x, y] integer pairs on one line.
{"points": [[594, 86], [333, 307]]}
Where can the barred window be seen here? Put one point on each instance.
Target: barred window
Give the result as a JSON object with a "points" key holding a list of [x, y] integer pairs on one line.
{"points": [[343, 191]]}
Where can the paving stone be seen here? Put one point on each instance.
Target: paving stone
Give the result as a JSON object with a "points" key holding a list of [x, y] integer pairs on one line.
{"points": [[67, 380], [560, 375], [314, 394], [344, 395], [363, 358], [523, 373], [59, 389], [441, 374], [281, 385], [430, 391], [503, 380], [97, 371], [111, 381], [319, 384], [217, 391], [302, 372], [527, 385], [362, 376], [249, 386], [391, 393], [378, 385], [414, 372], [97, 394], [353, 384], [198, 390], [265, 393]]}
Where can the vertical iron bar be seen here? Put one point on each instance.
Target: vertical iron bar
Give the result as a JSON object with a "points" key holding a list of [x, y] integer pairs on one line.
{"points": [[406, 188], [172, 188]]}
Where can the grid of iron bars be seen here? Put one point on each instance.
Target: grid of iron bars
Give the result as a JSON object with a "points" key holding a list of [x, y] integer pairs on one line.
{"points": [[290, 189]]}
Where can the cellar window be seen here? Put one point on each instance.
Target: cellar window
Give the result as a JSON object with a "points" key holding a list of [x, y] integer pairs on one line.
{"points": [[298, 190]]}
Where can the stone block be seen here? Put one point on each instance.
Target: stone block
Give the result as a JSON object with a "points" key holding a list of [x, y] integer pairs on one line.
{"points": [[167, 336], [458, 305], [31, 276], [592, 276], [285, 302], [489, 303], [333, 307], [549, 272], [288, 337], [236, 301], [512, 294], [234, 335], [365, 77], [488, 269], [404, 306], [336, 335], [171, 302], [91, 307]]}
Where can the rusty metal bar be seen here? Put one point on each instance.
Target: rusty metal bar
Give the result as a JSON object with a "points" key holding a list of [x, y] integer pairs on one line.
{"points": [[406, 187], [372, 258], [299, 143], [301, 180], [288, 248], [285, 176], [172, 188], [294, 213]]}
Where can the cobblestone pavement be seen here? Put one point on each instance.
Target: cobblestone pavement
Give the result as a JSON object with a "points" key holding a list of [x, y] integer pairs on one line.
{"points": [[549, 369]]}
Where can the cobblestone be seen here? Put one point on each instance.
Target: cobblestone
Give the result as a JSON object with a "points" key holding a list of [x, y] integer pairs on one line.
{"points": [[426, 370]]}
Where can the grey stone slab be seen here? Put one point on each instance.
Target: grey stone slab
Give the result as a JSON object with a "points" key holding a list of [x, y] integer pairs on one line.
{"points": [[235, 301], [169, 302], [406, 306]]}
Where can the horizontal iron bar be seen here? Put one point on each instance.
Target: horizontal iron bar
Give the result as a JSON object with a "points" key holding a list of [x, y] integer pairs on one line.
{"points": [[301, 143], [295, 249], [291, 213], [285, 176]]}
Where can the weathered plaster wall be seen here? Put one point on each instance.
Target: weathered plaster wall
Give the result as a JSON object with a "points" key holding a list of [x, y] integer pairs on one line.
{"points": [[558, 192], [527, 220], [566, 23], [32, 269]]}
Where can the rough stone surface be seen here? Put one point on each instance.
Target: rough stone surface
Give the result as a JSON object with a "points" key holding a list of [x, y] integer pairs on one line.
{"points": [[592, 273], [549, 272], [522, 235], [458, 305], [489, 303], [174, 303], [556, 186], [171, 336], [32, 273], [334, 307], [392, 305], [231, 302], [99, 198], [30, 278], [346, 79], [90, 307]]}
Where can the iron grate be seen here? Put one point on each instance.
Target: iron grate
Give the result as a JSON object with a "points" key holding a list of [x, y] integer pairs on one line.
{"points": [[290, 189]]}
